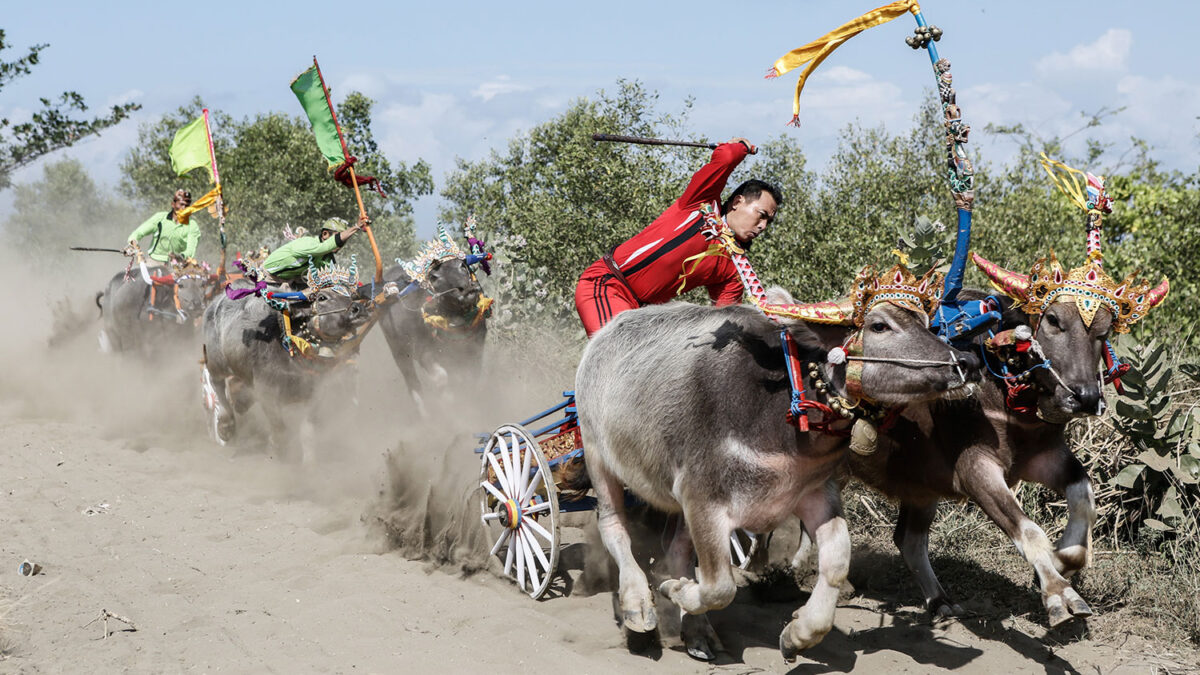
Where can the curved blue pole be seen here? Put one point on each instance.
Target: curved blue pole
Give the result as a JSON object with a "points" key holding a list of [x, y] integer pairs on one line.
{"points": [[956, 321]]}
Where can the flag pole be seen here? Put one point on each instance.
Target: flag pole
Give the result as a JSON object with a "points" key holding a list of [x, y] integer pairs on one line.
{"points": [[212, 156], [362, 212]]}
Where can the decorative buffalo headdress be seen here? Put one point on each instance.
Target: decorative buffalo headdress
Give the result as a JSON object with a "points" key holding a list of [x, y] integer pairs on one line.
{"points": [[434, 251], [334, 277], [896, 286], [190, 268], [1088, 285]]}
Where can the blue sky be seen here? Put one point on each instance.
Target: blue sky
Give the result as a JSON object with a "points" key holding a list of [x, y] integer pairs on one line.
{"points": [[456, 79]]}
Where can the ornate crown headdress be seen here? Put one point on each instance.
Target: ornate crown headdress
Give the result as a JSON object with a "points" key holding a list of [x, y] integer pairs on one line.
{"points": [[434, 251], [1088, 285], [190, 268], [897, 286], [334, 277]]}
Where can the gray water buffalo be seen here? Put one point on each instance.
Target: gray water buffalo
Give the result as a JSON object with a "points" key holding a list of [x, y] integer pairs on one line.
{"points": [[1014, 429], [437, 331], [247, 356], [686, 406], [141, 316]]}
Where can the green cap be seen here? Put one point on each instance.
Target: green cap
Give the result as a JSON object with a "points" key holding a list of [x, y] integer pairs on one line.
{"points": [[336, 224]]}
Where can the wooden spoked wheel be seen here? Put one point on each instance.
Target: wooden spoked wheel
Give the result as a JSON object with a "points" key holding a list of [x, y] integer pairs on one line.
{"points": [[518, 504], [742, 546]]}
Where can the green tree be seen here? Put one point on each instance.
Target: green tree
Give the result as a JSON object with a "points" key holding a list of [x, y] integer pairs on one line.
{"points": [[63, 208], [273, 175], [51, 128], [564, 200]]}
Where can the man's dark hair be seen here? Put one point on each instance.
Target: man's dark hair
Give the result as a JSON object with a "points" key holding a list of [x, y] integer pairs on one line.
{"points": [[751, 190]]}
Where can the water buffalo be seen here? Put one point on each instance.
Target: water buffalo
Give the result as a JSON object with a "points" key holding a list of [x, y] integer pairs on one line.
{"points": [[1013, 430], [137, 315], [686, 405], [438, 329], [247, 355]]}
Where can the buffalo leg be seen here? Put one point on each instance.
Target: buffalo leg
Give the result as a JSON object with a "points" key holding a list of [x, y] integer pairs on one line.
{"points": [[821, 511], [1060, 471], [987, 487], [637, 602], [223, 422], [912, 538], [696, 632], [401, 346], [714, 586]]}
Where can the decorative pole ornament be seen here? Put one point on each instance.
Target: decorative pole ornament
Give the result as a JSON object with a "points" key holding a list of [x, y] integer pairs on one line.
{"points": [[954, 320], [1087, 192]]}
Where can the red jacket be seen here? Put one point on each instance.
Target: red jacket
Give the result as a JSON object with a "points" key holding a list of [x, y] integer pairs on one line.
{"points": [[653, 259]]}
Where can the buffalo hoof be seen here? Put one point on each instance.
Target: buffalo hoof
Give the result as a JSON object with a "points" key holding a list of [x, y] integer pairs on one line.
{"points": [[699, 638], [944, 608], [1066, 606], [798, 635], [639, 616]]}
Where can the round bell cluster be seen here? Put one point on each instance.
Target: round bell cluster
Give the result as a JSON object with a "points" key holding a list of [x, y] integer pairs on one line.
{"points": [[922, 35]]}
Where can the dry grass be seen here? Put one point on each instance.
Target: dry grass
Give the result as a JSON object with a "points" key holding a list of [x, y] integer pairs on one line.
{"points": [[1147, 592]]}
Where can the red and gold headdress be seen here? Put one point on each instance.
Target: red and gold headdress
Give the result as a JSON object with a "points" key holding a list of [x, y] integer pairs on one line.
{"points": [[896, 286], [1088, 285]]}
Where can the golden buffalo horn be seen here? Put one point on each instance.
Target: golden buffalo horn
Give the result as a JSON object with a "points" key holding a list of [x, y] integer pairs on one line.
{"points": [[839, 312], [1015, 286]]}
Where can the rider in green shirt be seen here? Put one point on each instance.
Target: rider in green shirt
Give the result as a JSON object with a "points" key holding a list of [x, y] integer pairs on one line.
{"points": [[170, 236], [289, 262]]}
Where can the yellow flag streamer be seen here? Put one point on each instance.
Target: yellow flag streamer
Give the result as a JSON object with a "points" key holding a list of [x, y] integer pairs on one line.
{"points": [[816, 51], [1071, 182], [210, 199]]}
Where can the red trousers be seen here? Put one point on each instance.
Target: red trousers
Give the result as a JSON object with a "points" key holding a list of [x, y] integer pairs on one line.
{"points": [[599, 298]]}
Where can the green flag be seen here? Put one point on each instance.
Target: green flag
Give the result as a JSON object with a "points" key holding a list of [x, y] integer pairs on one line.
{"points": [[189, 150], [310, 89]]}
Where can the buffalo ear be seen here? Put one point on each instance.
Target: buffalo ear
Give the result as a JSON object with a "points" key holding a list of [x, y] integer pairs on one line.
{"points": [[778, 295], [813, 341]]}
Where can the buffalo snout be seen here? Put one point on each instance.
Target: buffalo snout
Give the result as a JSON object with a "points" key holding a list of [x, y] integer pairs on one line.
{"points": [[970, 363], [1085, 400]]}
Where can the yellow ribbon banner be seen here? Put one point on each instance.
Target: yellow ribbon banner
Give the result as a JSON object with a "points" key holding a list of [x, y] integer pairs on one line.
{"points": [[816, 51], [1071, 182], [208, 200]]}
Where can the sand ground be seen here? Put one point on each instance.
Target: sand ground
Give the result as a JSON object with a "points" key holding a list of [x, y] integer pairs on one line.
{"points": [[234, 560]]}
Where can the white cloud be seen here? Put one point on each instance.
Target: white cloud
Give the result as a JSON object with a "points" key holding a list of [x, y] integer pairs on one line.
{"points": [[1108, 54], [498, 87], [124, 97], [366, 83]]}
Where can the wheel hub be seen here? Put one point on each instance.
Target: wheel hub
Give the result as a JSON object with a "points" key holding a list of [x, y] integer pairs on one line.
{"points": [[510, 514]]}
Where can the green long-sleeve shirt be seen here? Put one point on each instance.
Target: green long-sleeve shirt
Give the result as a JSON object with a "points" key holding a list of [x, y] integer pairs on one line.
{"points": [[172, 238], [291, 260]]}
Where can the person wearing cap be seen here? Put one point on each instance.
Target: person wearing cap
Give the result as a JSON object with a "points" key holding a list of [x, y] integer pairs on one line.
{"points": [[672, 254], [170, 237], [290, 262]]}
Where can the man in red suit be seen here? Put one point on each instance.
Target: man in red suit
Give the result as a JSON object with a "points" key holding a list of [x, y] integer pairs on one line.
{"points": [[666, 258]]}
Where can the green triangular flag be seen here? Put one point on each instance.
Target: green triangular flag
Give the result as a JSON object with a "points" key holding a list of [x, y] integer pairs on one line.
{"points": [[310, 90], [189, 150]]}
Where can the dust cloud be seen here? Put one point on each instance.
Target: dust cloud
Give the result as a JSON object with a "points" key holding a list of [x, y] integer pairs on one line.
{"points": [[412, 481]]}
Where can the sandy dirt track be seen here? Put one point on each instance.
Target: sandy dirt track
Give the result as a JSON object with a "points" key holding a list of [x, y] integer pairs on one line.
{"points": [[229, 560]]}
